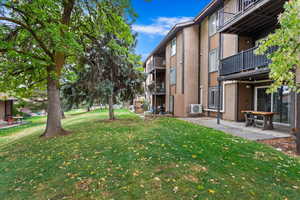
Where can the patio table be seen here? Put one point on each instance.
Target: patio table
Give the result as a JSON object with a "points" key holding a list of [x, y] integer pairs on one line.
{"points": [[250, 117]]}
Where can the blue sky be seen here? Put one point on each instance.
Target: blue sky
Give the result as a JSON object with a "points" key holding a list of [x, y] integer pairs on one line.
{"points": [[158, 16]]}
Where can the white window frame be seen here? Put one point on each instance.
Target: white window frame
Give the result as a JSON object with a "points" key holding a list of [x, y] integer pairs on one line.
{"points": [[210, 67], [223, 97], [173, 46], [216, 91], [212, 24]]}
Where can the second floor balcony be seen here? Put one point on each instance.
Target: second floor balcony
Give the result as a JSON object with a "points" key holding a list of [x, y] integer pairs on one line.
{"points": [[156, 63], [244, 61], [157, 88]]}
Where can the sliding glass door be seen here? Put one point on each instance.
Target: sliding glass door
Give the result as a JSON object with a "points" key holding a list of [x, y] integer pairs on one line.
{"points": [[282, 105], [279, 102], [264, 100]]}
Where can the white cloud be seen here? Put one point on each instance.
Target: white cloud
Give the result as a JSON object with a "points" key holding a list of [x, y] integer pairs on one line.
{"points": [[160, 25]]}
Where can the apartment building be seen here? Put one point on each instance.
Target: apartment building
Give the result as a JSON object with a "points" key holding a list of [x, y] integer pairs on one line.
{"points": [[155, 86], [179, 72], [210, 61], [251, 21]]}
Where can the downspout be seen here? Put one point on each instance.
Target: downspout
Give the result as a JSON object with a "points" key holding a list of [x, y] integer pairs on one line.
{"points": [[183, 62], [219, 101], [155, 92], [208, 74], [219, 79], [238, 100], [199, 65]]}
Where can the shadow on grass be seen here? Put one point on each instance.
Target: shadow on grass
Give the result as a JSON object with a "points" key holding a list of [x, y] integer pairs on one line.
{"points": [[85, 112]]}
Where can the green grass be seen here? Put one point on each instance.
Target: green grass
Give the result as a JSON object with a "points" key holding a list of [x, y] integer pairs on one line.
{"points": [[134, 159]]}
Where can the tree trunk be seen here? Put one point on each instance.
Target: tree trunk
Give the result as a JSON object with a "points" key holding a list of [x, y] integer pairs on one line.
{"points": [[111, 107], [54, 127], [63, 116]]}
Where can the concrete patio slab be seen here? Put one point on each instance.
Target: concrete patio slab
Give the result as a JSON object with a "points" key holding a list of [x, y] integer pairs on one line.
{"points": [[239, 129], [3, 126]]}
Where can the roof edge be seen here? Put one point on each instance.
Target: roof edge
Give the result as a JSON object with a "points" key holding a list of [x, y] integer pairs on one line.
{"points": [[179, 26]]}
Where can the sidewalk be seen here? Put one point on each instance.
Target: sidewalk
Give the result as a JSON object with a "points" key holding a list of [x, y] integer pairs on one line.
{"points": [[239, 129]]}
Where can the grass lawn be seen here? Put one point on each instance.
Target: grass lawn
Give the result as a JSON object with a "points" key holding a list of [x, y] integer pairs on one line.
{"points": [[134, 159]]}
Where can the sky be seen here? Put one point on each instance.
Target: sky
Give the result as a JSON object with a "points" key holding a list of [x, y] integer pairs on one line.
{"points": [[157, 17]]}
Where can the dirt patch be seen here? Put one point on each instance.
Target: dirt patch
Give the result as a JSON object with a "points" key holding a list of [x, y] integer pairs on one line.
{"points": [[84, 184], [191, 178], [162, 168], [198, 168], [286, 145], [127, 122]]}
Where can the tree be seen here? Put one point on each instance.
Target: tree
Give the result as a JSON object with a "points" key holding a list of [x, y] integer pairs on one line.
{"points": [[286, 59], [108, 70], [39, 38], [106, 75], [287, 38], [36, 39]]}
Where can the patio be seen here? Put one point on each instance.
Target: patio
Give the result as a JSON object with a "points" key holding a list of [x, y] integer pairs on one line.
{"points": [[6, 125], [239, 129]]}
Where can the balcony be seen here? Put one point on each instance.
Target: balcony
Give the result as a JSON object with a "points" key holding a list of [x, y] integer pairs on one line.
{"points": [[157, 89], [244, 61], [156, 63], [250, 16]]}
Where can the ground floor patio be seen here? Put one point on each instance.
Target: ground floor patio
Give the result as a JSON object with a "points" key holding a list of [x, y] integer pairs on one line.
{"points": [[6, 125], [239, 129]]}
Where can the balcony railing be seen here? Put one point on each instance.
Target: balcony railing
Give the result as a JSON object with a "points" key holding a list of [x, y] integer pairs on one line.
{"points": [[226, 16], [157, 62], [160, 88], [244, 61]]}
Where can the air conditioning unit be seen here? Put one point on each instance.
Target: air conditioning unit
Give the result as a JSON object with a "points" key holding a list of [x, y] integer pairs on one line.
{"points": [[196, 108]]}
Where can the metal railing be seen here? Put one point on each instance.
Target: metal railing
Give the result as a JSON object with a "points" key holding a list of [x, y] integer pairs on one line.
{"points": [[245, 60], [160, 88], [226, 16], [157, 62]]}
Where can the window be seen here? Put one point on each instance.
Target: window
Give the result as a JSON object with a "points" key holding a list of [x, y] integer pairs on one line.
{"points": [[171, 104], [212, 24], [213, 60], [173, 47], [213, 93], [173, 76]]}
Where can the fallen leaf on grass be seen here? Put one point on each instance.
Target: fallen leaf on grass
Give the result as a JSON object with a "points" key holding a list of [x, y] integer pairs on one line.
{"points": [[83, 184], [211, 191], [175, 189]]}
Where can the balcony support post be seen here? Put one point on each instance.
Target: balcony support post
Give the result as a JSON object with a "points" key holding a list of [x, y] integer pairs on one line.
{"points": [[243, 62], [155, 92]]}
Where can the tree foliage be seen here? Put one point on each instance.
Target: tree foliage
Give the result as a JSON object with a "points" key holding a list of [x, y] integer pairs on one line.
{"points": [[40, 38], [286, 59], [109, 69]]}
